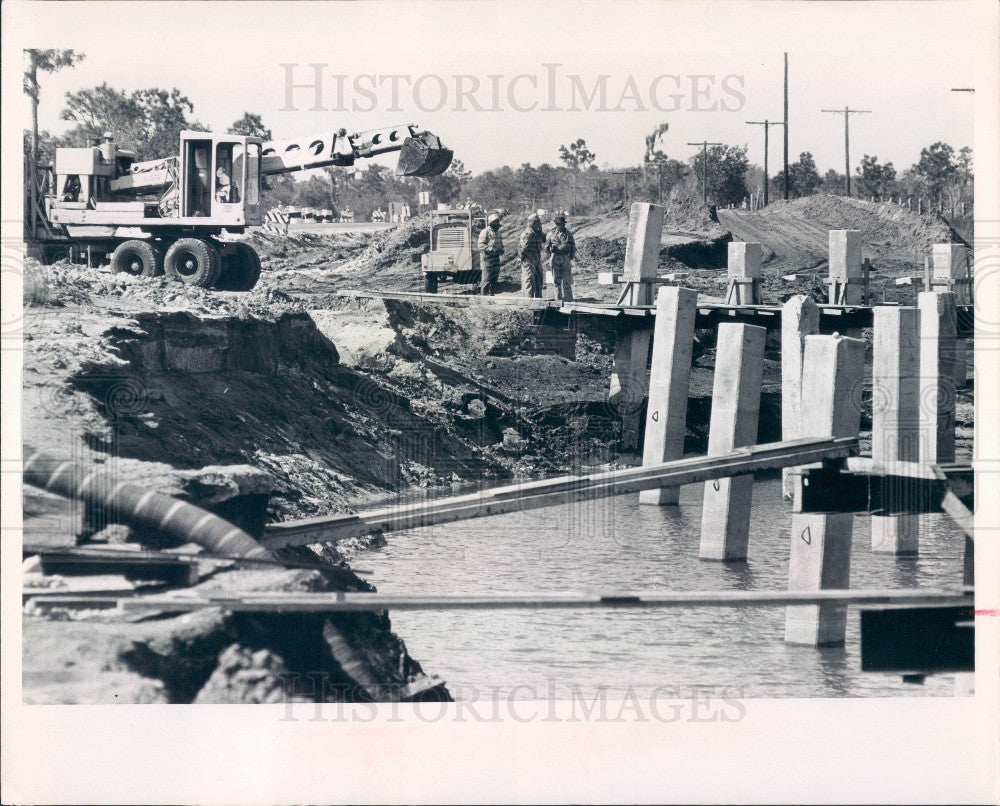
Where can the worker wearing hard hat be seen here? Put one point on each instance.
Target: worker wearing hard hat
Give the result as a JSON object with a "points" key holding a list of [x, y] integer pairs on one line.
{"points": [[490, 249], [530, 252], [562, 248]]}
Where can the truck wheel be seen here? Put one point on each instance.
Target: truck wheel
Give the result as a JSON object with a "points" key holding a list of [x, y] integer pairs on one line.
{"points": [[192, 261], [430, 283], [240, 269], [139, 258]]}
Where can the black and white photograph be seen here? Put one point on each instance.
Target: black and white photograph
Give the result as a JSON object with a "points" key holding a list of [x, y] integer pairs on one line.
{"points": [[594, 400]]}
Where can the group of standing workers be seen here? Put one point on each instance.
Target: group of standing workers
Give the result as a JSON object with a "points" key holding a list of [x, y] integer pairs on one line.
{"points": [[558, 245]]}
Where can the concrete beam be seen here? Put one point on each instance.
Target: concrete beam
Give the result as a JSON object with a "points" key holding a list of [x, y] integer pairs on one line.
{"points": [[630, 382], [669, 382], [895, 415], [744, 268], [799, 318], [937, 376], [820, 556], [739, 369], [846, 270]]}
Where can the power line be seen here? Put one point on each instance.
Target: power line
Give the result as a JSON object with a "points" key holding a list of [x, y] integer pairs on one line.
{"points": [[847, 112], [704, 167], [767, 124]]}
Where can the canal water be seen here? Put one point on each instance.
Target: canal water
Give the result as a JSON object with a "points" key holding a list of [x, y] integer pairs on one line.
{"points": [[612, 545]]}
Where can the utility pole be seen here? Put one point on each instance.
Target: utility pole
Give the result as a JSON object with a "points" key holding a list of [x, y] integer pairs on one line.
{"points": [[767, 124], [624, 174], [786, 125], [704, 168], [847, 112]]}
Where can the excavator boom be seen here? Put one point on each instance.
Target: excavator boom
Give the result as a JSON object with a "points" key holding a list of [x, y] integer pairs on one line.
{"points": [[421, 153]]}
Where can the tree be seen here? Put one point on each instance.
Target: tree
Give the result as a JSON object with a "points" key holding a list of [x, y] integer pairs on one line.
{"points": [[45, 61], [653, 142], [726, 168], [251, 125], [577, 156], [803, 178], [833, 183], [316, 191], [963, 165], [937, 168], [875, 179], [149, 121]]}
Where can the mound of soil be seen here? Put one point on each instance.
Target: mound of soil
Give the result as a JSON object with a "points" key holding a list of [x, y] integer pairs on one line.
{"points": [[795, 234]]}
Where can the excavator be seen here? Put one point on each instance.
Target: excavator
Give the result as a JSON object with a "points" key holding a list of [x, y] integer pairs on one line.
{"points": [[165, 216]]}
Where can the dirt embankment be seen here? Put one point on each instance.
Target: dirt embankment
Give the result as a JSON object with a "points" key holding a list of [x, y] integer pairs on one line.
{"points": [[390, 259], [155, 382], [795, 234], [338, 404]]}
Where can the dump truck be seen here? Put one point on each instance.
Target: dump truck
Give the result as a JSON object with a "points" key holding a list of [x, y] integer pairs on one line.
{"points": [[452, 247], [173, 215]]}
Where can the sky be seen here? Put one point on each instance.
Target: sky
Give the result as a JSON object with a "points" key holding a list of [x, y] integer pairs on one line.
{"points": [[705, 69]]}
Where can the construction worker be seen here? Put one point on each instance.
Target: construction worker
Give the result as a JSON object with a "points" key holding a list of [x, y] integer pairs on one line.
{"points": [[490, 249], [530, 252], [562, 248]]}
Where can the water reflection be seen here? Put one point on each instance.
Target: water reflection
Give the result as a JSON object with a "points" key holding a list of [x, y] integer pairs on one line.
{"points": [[615, 545]]}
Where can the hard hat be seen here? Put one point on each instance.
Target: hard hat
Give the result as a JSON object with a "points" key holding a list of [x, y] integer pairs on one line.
{"points": [[493, 217], [560, 218], [533, 218]]}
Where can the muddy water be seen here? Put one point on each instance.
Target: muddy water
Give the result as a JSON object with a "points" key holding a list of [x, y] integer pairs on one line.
{"points": [[614, 545]]}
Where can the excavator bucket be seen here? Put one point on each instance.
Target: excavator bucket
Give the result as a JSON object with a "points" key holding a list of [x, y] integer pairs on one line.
{"points": [[423, 155]]}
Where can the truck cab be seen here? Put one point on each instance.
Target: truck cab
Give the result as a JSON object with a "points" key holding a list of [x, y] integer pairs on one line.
{"points": [[453, 253]]}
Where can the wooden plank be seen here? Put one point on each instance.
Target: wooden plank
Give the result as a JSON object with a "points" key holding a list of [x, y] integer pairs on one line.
{"points": [[339, 602], [557, 491]]}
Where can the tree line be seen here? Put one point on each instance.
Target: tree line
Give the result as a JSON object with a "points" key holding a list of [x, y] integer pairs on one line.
{"points": [[149, 121]]}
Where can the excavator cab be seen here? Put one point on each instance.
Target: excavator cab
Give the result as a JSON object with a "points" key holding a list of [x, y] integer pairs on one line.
{"points": [[221, 178]]}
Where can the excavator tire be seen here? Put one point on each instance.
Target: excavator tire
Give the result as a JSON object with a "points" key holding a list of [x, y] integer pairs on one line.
{"points": [[240, 269], [139, 258], [193, 261]]}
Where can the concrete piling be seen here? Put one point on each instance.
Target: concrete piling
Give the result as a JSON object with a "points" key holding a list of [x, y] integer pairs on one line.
{"points": [[630, 382], [799, 318], [937, 376], [846, 269], [820, 556], [739, 368], [642, 249], [669, 381], [744, 267], [950, 271], [895, 414]]}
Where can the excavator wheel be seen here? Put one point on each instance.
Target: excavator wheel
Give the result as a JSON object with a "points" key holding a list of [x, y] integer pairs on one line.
{"points": [[139, 258], [240, 269], [192, 261]]}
